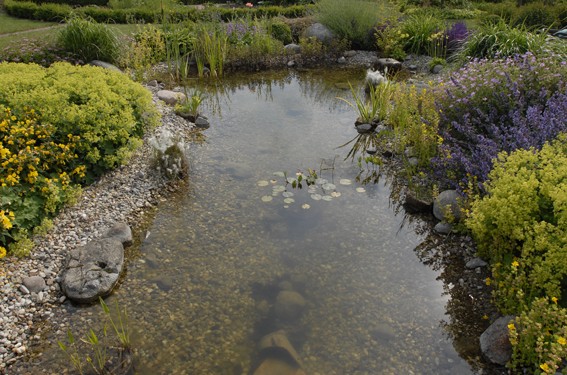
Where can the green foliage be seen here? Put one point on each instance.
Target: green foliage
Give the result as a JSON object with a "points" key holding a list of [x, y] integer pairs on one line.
{"points": [[191, 104], [390, 40], [521, 224], [418, 30], [108, 111], [98, 352], [535, 15], [146, 50], [30, 10], [281, 31], [539, 337], [211, 47], [89, 40], [414, 120], [501, 40], [378, 105], [353, 20]]}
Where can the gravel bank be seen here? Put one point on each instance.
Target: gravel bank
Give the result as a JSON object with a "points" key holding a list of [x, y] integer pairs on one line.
{"points": [[124, 194]]}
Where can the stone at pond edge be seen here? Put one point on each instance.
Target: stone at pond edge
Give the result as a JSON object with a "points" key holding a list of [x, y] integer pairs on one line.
{"points": [[289, 305], [293, 48], [446, 205], [475, 263], [274, 366], [414, 204], [437, 69], [392, 65], [171, 97], [495, 343], [105, 65], [202, 122], [443, 227], [122, 232], [34, 284], [364, 128], [92, 270]]}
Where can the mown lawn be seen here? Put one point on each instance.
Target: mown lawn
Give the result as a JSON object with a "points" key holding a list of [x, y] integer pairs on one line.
{"points": [[11, 25]]}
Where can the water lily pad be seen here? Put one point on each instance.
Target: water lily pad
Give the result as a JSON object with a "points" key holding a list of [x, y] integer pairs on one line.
{"points": [[289, 200], [266, 198], [360, 189], [345, 181], [262, 183], [287, 194], [278, 188], [279, 174], [316, 197], [336, 194], [291, 180], [321, 181], [329, 186], [285, 206], [305, 206], [327, 198], [311, 190]]}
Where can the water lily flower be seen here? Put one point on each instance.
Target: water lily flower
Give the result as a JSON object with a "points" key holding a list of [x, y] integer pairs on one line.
{"points": [[249, 5]]}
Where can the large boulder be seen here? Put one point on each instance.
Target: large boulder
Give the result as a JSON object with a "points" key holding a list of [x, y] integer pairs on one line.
{"points": [[320, 32], [446, 206], [495, 341], [92, 270]]}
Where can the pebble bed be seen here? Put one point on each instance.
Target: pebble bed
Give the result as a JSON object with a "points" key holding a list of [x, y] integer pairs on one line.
{"points": [[123, 195]]}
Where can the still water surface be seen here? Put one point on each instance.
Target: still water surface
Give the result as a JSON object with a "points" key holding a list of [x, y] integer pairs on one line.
{"points": [[200, 293]]}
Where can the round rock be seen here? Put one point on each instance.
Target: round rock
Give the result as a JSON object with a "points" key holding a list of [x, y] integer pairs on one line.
{"points": [[289, 305], [447, 204], [495, 341], [34, 284]]}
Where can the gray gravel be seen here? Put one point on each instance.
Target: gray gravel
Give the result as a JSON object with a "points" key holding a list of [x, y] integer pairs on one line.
{"points": [[124, 194]]}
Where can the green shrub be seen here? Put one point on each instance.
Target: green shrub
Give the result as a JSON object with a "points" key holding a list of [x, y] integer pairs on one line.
{"points": [[104, 108], [73, 3], [502, 40], [89, 40], [536, 16], [353, 20], [520, 225], [281, 31], [506, 10]]}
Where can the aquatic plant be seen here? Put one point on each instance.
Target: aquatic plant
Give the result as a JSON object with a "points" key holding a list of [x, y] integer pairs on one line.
{"points": [[377, 107]]}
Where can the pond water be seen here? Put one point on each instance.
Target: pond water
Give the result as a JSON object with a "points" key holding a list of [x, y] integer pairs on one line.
{"points": [[200, 290]]}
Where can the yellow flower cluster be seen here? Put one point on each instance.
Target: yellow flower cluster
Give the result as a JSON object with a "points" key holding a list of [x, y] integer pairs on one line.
{"points": [[33, 159], [2, 252]]}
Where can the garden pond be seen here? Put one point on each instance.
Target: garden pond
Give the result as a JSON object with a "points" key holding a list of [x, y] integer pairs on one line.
{"points": [[202, 283]]}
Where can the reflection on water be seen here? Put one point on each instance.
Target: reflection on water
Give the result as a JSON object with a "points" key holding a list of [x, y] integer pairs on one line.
{"points": [[203, 290]]}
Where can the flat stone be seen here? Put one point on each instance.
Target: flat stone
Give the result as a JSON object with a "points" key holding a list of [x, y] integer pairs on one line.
{"points": [[475, 263], [278, 341], [202, 122], [437, 69], [93, 270], [105, 65], [350, 53], [364, 128], [392, 65], [414, 204], [34, 284], [274, 366]]}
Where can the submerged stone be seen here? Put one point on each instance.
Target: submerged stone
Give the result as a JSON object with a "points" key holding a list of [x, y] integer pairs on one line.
{"points": [[289, 305]]}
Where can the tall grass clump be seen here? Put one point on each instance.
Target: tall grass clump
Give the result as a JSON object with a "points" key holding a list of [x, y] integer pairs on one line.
{"points": [[499, 39], [352, 20], [211, 48], [420, 30], [89, 40]]}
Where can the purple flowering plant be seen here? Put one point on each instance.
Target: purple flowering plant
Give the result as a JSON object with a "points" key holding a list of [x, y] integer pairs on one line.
{"points": [[240, 32], [491, 106]]}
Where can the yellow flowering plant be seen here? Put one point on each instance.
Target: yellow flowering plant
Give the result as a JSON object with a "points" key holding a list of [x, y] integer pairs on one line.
{"points": [[37, 171]]}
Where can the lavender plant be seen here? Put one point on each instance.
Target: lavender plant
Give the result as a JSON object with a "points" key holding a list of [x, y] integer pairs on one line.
{"points": [[500, 105]]}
